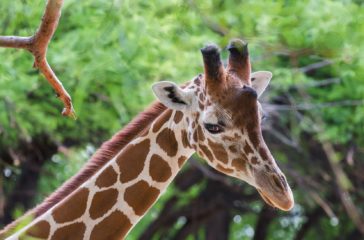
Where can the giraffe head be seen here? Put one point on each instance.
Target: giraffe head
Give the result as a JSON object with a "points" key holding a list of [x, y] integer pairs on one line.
{"points": [[222, 118]]}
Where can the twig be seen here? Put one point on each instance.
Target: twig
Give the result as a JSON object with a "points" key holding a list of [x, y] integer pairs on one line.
{"points": [[310, 187], [311, 84], [309, 106], [315, 66], [350, 208], [350, 156], [15, 42], [323, 82], [324, 205], [38, 45], [312, 219], [341, 180], [280, 136]]}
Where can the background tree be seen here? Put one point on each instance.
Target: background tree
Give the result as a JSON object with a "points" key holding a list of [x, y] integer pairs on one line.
{"points": [[109, 52]]}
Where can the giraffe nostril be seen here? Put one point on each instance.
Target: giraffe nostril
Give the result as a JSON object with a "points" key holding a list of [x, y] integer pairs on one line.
{"points": [[280, 182]]}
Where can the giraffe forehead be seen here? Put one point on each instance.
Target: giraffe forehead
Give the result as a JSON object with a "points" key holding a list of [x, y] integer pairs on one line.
{"points": [[217, 89], [215, 113], [232, 107]]}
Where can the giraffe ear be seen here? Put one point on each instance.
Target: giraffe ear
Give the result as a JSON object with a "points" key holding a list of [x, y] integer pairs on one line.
{"points": [[172, 96], [260, 81]]}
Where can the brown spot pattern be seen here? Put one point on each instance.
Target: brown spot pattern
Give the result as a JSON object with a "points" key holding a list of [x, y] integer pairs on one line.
{"points": [[167, 141], [254, 160], [159, 169], [181, 160], [195, 137], [102, 202], [200, 105], [263, 153], [131, 161], [178, 117], [40, 230], [224, 169], [185, 139], [206, 152], [106, 178], [201, 136], [267, 168], [72, 208], [141, 196], [161, 120], [233, 149], [247, 148], [74, 231], [227, 138], [239, 164], [253, 134], [113, 227], [201, 97], [219, 151]]}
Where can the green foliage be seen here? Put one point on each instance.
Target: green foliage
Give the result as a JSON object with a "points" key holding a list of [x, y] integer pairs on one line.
{"points": [[61, 168], [107, 53]]}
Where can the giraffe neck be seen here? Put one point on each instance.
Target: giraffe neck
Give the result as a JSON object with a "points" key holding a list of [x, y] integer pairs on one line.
{"points": [[113, 200]]}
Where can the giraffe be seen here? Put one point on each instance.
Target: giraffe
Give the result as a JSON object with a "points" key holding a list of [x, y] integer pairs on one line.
{"points": [[216, 114]]}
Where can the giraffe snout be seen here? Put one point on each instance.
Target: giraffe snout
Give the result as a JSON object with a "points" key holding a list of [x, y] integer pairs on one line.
{"points": [[274, 189]]}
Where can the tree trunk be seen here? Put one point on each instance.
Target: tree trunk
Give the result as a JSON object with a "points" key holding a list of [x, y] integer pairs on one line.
{"points": [[217, 227], [33, 156]]}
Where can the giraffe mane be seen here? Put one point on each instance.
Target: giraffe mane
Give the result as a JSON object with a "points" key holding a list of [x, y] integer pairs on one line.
{"points": [[103, 155]]}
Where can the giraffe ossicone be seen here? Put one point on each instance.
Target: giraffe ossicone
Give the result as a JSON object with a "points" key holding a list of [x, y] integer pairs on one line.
{"points": [[217, 115]]}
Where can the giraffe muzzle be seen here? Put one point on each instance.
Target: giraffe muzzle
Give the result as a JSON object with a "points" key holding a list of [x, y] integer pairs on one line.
{"points": [[274, 190]]}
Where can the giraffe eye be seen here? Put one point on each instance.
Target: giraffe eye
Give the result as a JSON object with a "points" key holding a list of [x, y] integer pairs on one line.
{"points": [[213, 128]]}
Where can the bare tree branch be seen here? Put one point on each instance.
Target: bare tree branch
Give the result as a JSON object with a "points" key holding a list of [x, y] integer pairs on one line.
{"points": [[309, 106], [281, 136], [266, 216], [315, 66], [15, 42], [323, 82], [312, 219], [310, 187], [341, 179], [38, 45], [352, 211]]}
